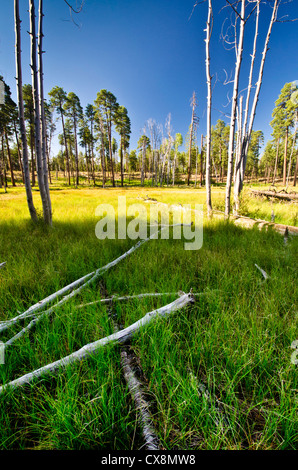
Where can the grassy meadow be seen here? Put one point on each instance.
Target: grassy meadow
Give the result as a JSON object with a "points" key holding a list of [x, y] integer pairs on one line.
{"points": [[235, 339]]}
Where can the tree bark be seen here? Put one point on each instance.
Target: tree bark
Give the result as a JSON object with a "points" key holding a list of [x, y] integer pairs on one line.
{"points": [[285, 158], [276, 160], [19, 151], [9, 158], [45, 175], [38, 148], [233, 112], [209, 98], [25, 158]]}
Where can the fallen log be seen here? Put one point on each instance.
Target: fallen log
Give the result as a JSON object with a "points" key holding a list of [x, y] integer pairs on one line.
{"points": [[283, 196], [136, 390], [42, 303], [2, 264], [95, 274], [136, 296], [86, 351]]}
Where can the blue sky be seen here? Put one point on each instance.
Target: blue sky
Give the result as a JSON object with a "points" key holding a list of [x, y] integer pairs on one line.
{"points": [[151, 55]]}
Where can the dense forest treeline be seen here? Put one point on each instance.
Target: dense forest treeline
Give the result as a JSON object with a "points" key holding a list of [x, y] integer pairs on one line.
{"points": [[95, 144]]}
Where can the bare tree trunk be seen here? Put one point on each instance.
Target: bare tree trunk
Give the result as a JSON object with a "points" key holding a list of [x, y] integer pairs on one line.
{"points": [[31, 207], [209, 98], [285, 158], [246, 140], [76, 150], [32, 157], [110, 150], [48, 143], [233, 111], [292, 150], [174, 168], [237, 169], [201, 162], [92, 154], [38, 148], [65, 145], [4, 165], [296, 171], [276, 160], [19, 150], [143, 162], [193, 103], [45, 175], [9, 158]]}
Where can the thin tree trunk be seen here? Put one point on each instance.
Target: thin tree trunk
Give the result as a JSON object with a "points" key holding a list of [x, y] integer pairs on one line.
{"points": [[292, 150], [9, 158], [38, 148], [190, 138], [65, 145], [4, 165], [276, 160], [92, 153], [233, 112], [31, 207], [32, 157], [285, 158], [121, 159], [258, 88], [76, 150], [209, 98], [45, 176], [143, 162], [110, 150], [19, 151]]}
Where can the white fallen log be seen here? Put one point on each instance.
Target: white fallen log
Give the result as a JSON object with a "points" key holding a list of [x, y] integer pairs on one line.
{"points": [[42, 303], [135, 388], [91, 348], [95, 274], [137, 296], [265, 275], [2, 264]]}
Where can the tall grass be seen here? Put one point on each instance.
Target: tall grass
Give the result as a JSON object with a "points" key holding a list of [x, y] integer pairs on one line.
{"points": [[235, 339]]}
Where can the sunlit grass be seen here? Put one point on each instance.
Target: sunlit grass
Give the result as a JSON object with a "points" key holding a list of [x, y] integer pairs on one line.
{"points": [[235, 339]]}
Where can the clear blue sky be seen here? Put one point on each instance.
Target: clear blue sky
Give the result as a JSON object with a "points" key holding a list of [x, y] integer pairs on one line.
{"points": [[150, 55]]}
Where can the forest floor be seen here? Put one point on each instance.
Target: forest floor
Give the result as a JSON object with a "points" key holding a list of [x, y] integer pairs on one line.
{"points": [[235, 340]]}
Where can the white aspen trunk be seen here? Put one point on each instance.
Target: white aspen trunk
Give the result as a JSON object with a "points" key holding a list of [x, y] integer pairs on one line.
{"points": [[233, 112], [42, 115], [39, 161], [209, 98], [25, 156]]}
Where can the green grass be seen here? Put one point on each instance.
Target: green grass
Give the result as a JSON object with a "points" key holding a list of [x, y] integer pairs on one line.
{"points": [[235, 339]]}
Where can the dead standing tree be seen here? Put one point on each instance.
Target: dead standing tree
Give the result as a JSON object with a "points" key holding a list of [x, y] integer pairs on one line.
{"points": [[25, 157], [239, 53], [193, 104], [247, 127], [209, 99], [37, 119], [244, 134]]}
